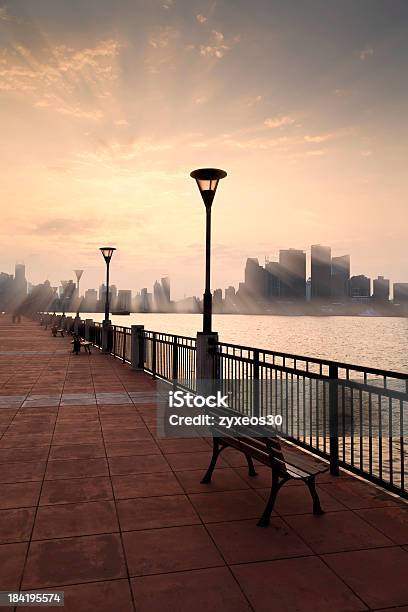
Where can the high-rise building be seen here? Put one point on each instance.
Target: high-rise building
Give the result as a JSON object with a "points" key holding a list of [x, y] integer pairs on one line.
{"points": [[292, 272], [90, 300], [124, 300], [360, 286], [255, 279], [400, 293], [165, 281], [321, 272], [340, 276], [230, 293], [381, 289], [273, 279], [20, 282]]}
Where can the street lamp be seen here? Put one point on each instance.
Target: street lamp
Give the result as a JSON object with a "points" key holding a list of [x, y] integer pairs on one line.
{"points": [[107, 253], [207, 181]]}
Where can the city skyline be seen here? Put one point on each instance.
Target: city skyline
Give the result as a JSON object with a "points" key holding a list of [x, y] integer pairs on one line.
{"points": [[106, 112]]}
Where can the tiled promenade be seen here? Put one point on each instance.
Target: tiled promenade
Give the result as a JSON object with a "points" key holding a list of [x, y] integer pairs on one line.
{"points": [[94, 504]]}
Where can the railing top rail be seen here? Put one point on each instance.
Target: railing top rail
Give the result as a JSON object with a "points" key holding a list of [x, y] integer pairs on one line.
{"points": [[318, 361], [149, 331]]}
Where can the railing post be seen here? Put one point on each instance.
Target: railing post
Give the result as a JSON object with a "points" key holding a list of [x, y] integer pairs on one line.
{"points": [[334, 419], [175, 362], [154, 347], [137, 347], [88, 325], [124, 346], [206, 357], [255, 382], [106, 328]]}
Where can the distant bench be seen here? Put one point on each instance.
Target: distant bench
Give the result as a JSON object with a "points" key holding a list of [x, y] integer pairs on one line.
{"points": [[85, 345], [286, 463], [55, 331]]}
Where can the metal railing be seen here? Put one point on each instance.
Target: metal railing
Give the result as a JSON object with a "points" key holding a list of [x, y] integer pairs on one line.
{"points": [[355, 417], [171, 357]]}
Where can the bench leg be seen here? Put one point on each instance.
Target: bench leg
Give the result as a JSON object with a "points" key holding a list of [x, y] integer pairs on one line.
{"points": [[317, 509], [216, 452], [276, 485], [251, 468]]}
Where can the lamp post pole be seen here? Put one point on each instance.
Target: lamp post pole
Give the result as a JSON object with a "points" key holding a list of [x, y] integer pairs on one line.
{"points": [[107, 292], [207, 302], [107, 253], [207, 180]]}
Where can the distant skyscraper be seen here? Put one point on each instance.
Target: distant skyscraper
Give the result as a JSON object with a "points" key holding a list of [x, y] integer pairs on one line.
{"points": [[360, 286], [292, 272], [340, 276], [90, 300], [124, 301], [165, 281], [381, 289], [400, 293], [255, 280], [321, 272], [273, 279]]}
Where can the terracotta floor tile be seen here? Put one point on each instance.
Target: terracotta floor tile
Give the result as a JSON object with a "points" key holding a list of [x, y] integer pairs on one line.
{"points": [[110, 596], [192, 461], [244, 542], [356, 494], [126, 435], [154, 512], [16, 524], [66, 520], [22, 471], [228, 505], [199, 590], [12, 558], [305, 584], [377, 576], [392, 521], [145, 485], [138, 447], [263, 479], [169, 550], [19, 495], [76, 490], [183, 445], [138, 464], [80, 438], [225, 479], [77, 451], [74, 560], [76, 468], [336, 531]]}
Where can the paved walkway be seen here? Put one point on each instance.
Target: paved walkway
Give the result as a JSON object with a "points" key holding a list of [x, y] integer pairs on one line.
{"points": [[94, 504]]}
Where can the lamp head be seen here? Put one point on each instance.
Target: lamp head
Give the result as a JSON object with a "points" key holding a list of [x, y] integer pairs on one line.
{"points": [[207, 180], [107, 253]]}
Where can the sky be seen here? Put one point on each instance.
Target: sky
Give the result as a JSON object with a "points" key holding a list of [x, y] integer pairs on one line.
{"points": [[106, 107]]}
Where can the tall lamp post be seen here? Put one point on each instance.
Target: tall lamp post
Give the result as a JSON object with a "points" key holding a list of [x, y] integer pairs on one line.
{"points": [[207, 181], [78, 274], [107, 253]]}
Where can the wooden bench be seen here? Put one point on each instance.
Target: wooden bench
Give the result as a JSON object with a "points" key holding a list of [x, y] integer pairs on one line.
{"points": [[87, 346], [285, 461]]}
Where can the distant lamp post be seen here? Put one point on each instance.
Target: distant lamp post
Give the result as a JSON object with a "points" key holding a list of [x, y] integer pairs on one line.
{"points": [[107, 253], [207, 181], [78, 274], [63, 296]]}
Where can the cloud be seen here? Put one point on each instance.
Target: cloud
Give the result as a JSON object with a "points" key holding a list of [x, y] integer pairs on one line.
{"points": [[163, 37], [217, 46], [201, 18], [61, 226], [317, 153], [280, 121], [366, 53], [319, 138], [59, 79], [122, 122]]}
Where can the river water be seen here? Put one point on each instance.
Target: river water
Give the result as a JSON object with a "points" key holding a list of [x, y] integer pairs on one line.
{"points": [[379, 342]]}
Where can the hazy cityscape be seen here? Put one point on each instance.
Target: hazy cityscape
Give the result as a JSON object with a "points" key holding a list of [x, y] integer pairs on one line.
{"points": [[276, 287]]}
